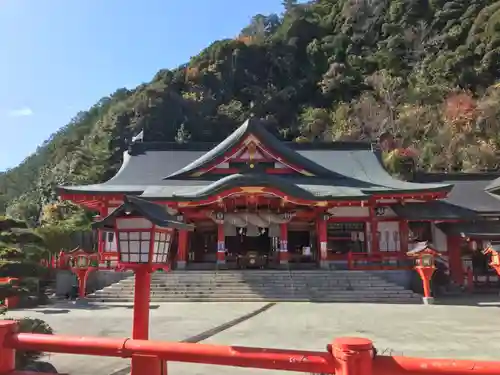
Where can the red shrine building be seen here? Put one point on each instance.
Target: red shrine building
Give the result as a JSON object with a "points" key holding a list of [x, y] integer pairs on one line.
{"points": [[256, 201]]}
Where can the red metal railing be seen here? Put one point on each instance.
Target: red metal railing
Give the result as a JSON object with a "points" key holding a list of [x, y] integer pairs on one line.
{"points": [[345, 356]]}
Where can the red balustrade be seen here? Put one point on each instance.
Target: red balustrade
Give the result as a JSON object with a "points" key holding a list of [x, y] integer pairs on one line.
{"points": [[345, 356]]}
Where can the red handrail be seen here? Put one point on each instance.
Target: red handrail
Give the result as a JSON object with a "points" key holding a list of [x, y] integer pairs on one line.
{"points": [[274, 359], [385, 365], [328, 362]]}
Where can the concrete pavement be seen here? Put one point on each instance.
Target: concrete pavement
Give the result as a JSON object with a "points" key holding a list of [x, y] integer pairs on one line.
{"points": [[412, 330]]}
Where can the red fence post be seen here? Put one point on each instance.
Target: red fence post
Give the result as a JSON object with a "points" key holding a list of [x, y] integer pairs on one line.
{"points": [[7, 355], [354, 355], [148, 364]]}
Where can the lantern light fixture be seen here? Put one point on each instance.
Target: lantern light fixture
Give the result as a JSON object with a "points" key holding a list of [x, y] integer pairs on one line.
{"points": [[427, 260], [144, 232]]}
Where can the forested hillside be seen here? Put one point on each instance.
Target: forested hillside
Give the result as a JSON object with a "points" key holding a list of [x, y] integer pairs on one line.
{"points": [[327, 70]]}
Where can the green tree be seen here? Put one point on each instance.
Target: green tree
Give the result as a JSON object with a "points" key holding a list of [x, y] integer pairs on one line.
{"points": [[314, 122], [289, 4], [370, 64]]}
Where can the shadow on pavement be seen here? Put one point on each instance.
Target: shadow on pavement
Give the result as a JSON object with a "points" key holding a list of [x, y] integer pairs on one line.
{"points": [[66, 306], [53, 311], [211, 332], [478, 300]]}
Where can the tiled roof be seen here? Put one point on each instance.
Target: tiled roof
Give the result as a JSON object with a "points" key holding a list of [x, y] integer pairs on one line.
{"points": [[340, 169]]}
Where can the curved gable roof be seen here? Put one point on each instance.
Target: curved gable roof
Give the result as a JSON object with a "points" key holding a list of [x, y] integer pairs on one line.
{"points": [[470, 190], [494, 186], [254, 127], [291, 188]]}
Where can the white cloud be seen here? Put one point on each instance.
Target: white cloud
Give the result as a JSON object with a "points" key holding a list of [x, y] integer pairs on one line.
{"points": [[21, 112]]}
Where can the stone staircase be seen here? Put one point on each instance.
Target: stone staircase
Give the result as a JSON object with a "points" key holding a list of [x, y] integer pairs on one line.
{"points": [[262, 285]]}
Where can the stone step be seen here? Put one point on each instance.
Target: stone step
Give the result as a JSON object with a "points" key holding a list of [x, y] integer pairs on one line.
{"points": [[398, 300], [118, 289], [254, 279], [259, 298], [264, 293], [323, 290], [263, 285], [255, 276], [261, 281], [259, 291], [264, 281], [266, 274], [262, 272]]}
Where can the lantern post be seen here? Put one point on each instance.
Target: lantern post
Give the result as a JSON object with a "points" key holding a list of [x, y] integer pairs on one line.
{"points": [[425, 265], [81, 264], [144, 233]]}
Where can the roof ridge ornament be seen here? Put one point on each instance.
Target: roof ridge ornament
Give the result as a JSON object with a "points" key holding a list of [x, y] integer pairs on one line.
{"points": [[139, 137]]}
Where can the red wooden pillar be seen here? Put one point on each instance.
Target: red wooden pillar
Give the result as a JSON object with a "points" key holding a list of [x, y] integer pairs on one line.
{"points": [[283, 243], [182, 249], [101, 238], [323, 244], [457, 272], [403, 236], [221, 244], [375, 238]]}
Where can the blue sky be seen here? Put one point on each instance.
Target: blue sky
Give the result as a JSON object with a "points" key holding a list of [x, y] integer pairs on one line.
{"points": [[61, 56]]}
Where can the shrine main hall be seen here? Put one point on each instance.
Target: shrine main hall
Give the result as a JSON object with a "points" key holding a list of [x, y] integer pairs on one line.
{"points": [[258, 202]]}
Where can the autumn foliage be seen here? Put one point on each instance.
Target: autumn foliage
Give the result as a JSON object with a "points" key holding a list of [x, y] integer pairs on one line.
{"points": [[246, 39], [192, 73], [460, 110]]}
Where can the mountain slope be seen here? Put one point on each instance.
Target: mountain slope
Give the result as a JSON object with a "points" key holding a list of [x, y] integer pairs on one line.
{"points": [[331, 69]]}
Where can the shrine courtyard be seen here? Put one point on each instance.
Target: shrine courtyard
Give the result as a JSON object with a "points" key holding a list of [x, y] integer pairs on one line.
{"points": [[466, 330]]}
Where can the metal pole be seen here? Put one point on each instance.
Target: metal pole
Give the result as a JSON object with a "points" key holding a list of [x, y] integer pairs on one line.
{"points": [[82, 275], [143, 364], [142, 291]]}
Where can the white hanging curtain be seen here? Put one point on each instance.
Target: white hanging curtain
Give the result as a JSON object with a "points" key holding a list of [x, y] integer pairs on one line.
{"points": [[229, 229], [261, 219], [253, 231], [256, 220], [236, 219], [274, 230], [273, 218]]}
